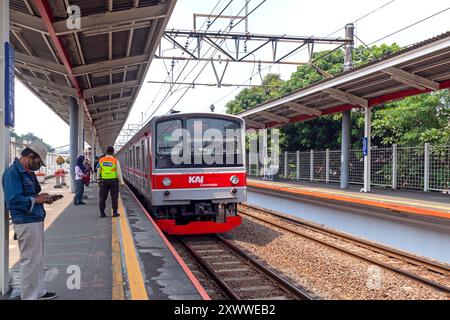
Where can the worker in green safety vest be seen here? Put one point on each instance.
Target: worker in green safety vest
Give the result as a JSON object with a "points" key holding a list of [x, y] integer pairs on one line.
{"points": [[109, 177]]}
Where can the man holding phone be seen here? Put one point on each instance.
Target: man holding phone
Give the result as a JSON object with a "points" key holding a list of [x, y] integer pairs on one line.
{"points": [[26, 206]]}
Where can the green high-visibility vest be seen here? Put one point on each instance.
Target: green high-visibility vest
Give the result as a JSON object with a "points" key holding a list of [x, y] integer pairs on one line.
{"points": [[108, 165]]}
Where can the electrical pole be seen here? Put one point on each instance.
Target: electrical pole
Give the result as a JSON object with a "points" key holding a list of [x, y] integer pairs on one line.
{"points": [[347, 115], [246, 16]]}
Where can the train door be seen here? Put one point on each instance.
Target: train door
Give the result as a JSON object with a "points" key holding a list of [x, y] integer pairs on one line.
{"points": [[138, 166], [142, 164], [133, 166], [124, 164], [149, 166], [128, 164]]}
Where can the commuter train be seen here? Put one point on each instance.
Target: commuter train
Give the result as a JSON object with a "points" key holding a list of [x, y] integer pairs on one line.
{"points": [[190, 171]]}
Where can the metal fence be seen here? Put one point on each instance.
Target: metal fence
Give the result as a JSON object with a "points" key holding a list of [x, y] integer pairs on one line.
{"points": [[424, 168], [16, 148]]}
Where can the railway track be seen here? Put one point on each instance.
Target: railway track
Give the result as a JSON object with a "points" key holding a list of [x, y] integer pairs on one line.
{"points": [[239, 276], [420, 270]]}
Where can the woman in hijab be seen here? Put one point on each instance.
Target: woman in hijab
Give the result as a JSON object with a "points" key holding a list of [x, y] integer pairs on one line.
{"points": [[79, 185]]}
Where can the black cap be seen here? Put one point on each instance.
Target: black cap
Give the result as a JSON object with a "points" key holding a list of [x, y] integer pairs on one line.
{"points": [[110, 150]]}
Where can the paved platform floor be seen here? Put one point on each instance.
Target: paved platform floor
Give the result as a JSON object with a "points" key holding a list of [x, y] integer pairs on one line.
{"points": [[90, 258], [406, 201]]}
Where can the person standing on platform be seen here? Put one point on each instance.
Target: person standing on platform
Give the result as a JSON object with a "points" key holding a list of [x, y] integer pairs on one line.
{"points": [[26, 206], [88, 172], [79, 183], [109, 177]]}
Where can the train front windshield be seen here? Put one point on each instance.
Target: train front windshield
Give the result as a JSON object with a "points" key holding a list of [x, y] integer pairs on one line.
{"points": [[199, 143]]}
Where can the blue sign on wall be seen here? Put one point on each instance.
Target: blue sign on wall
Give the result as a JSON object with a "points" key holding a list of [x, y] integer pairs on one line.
{"points": [[9, 85], [366, 147]]}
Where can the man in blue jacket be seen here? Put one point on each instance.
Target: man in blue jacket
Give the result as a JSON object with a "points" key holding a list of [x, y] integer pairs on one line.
{"points": [[26, 206]]}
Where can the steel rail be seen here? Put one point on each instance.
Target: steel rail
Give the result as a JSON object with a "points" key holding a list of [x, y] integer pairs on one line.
{"points": [[266, 272], [279, 280], [391, 252], [339, 248], [222, 284]]}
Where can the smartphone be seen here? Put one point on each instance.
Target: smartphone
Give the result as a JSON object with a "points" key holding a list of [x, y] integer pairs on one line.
{"points": [[56, 197]]}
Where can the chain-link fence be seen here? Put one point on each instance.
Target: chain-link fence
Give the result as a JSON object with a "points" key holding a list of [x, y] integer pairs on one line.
{"points": [[356, 167], [335, 166], [419, 168], [381, 166], [16, 147], [439, 162]]}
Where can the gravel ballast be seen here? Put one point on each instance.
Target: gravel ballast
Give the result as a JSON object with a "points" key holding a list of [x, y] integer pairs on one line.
{"points": [[326, 272]]}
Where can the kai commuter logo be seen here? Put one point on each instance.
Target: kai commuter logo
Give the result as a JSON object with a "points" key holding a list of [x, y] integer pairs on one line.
{"points": [[196, 180]]}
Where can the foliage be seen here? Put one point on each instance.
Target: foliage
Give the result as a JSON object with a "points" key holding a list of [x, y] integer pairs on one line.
{"points": [[415, 120], [251, 97], [29, 137], [60, 161], [411, 121]]}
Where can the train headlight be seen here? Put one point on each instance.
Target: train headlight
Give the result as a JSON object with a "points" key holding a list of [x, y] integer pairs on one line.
{"points": [[167, 182], [234, 180]]}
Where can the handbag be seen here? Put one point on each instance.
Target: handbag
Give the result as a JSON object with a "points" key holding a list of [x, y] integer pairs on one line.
{"points": [[86, 179]]}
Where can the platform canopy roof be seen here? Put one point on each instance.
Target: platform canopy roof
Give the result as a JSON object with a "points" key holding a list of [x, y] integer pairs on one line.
{"points": [[420, 68], [103, 63]]}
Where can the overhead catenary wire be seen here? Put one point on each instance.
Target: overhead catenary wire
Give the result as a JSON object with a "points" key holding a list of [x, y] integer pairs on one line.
{"points": [[365, 16], [252, 74], [411, 25], [168, 76], [367, 45], [204, 55], [185, 66], [231, 27]]}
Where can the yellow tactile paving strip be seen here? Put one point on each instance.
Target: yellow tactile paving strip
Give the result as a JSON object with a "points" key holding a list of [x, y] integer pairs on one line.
{"points": [[117, 284], [134, 272]]}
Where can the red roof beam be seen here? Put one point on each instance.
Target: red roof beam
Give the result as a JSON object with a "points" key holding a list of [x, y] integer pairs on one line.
{"points": [[47, 17], [372, 103]]}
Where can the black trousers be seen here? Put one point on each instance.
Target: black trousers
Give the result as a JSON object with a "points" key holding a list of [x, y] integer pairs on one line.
{"points": [[112, 187]]}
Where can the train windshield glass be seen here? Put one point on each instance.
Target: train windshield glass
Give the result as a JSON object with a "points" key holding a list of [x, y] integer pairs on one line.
{"points": [[203, 143]]}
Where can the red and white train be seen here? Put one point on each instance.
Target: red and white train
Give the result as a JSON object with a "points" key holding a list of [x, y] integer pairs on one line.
{"points": [[197, 196]]}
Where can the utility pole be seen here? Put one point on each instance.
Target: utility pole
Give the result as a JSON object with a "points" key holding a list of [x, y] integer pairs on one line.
{"points": [[246, 16], [347, 115]]}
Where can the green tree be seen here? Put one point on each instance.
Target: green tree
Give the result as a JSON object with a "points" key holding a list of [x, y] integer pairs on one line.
{"points": [[411, 121], [251, 97], [31, 137], [414, 120]]}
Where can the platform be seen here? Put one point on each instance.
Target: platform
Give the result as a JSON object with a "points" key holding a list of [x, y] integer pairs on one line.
{"points": [[418, 204], [416, 222], [124, 258]]}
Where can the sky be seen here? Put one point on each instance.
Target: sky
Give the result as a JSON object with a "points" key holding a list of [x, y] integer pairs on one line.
{"points": [[286, 17]]}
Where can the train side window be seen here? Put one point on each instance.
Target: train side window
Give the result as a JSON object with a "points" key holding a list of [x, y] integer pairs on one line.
{"points": [[130, 164], [138, 158], [144, 167]]}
